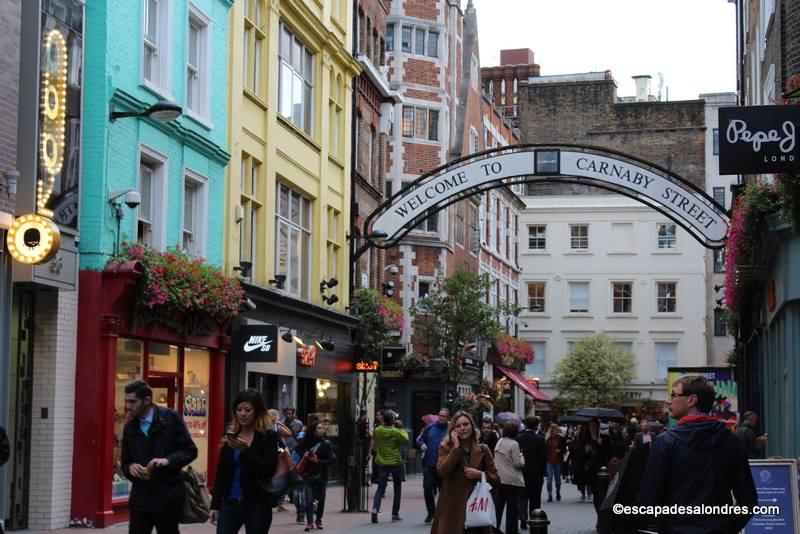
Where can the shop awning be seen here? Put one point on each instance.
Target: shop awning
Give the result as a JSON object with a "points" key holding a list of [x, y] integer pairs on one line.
{"points": [[523, 384]]}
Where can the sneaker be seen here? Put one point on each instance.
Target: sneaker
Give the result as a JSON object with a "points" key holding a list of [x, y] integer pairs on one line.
{"points": [[549, 498], [429, 518], [319, 524], [374, 516], [396, 517], [309, 527]]}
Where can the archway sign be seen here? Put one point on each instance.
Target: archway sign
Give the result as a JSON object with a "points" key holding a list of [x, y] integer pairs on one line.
{"points": [[659, 188]]}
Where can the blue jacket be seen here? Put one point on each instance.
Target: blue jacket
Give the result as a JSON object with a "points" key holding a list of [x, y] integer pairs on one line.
{"points": [[698, 462], [432, 436]]}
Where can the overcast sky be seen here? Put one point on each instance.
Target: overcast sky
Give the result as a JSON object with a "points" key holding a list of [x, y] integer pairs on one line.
{"points": [[692, 43]]}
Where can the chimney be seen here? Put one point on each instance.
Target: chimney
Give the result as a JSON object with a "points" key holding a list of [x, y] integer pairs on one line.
{"points": [[642, 87], [516, 56]]}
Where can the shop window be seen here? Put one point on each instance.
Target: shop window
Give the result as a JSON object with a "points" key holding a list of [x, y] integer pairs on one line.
{"points": [[162, 358], [196, 365], [129, 368]]}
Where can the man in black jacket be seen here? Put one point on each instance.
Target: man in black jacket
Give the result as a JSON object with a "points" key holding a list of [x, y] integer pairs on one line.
{"points": [[155, 446], [747, 433], [697, 462], [533, 449]]}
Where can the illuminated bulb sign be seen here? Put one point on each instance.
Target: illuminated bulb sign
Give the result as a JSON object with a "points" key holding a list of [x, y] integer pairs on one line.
{"points": [[367, 366], [34, 239]]}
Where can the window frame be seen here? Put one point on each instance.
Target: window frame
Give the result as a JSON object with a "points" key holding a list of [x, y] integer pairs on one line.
{"points": [[572, 309], [580, 238], [665, 245], [390, 37], [415, 117], [162, 84], [540, 238], [539, 358], [667, 364], [622, 298], [159, 196], [719, 190], [305, 207], [199, 213], [667, 299], [203, 71], [720, 325], [307, 76], [542, 297], [719, 266]]}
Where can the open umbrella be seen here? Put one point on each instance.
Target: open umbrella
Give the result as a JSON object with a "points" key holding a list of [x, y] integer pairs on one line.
{"points": [[601, 413], [503, 417], [574, 419], [430, 418]]}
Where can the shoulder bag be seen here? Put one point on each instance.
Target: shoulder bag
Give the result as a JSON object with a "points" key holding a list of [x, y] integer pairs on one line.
{"points": [[196, 499]]}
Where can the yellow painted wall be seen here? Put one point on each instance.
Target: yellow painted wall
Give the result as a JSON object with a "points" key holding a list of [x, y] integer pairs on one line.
{"points": [[307, 163]]}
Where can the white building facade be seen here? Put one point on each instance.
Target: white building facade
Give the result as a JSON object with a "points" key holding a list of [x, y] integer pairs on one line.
{"points": [[719, 340], [607, 263]]}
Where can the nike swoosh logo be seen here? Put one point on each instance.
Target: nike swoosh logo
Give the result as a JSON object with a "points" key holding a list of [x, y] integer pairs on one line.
{"points": [[250, 348]]}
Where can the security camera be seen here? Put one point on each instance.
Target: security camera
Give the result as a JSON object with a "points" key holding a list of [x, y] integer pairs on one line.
{"points": [[133, 199], [393, 269]]}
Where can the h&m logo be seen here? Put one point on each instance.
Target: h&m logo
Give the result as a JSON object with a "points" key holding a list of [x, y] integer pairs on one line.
{"points": [[479, 504]]}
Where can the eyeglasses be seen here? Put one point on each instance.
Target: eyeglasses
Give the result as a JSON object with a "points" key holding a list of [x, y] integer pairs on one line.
{"points": [[674, 395]]}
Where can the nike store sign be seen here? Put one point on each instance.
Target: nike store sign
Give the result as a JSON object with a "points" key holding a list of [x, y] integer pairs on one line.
{"points": [[256, 343]]}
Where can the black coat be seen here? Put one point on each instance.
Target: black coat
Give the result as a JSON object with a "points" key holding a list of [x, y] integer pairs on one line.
{"points": [[258, 461], [317, 472], [168, 438], [698, 462], [748, 436], [5, 446], [533, 449]]}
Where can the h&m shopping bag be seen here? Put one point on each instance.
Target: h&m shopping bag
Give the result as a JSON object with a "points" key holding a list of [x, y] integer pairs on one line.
{"points": [[480, 506]]}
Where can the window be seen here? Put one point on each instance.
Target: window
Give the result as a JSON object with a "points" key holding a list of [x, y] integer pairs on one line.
{"points": [[536, 369], [423, 289], [390, 37], [474, 72], [156, 48], [421, 123], [473, 141], [536, 296], [194, 214], [719, 196], [667, 236], [333, 243], [296, 82], [579, 236], [336, 110], [197, 64], [666, 297], [251, 204], [253, 48], [719, 260], [537, 237], [433, 44], [715, 141], [622, 297], [459, 225], [720, 327], [150, 213], [293, 228], [621, 238], [578, 297], [406, 39], [419, 42], [666, 357]]}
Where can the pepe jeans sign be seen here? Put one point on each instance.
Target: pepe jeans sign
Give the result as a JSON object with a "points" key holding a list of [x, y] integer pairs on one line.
{"points": [[759, 139], [695, 210], [256, 343]]}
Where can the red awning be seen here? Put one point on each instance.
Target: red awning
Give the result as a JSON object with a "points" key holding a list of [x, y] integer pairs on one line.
{"points": [[523, 384]]}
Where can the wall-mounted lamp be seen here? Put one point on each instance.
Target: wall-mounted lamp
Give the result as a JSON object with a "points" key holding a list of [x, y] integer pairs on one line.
{"points": [[162, 111], [325, 345], [327, 284], [9, 183], [717, 288], [719, 302], [244, 268], [278, 281], [333, 299], [287, 336]]}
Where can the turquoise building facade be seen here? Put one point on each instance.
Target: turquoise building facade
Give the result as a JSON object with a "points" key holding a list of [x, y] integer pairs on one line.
{"points": [[139, 52]]}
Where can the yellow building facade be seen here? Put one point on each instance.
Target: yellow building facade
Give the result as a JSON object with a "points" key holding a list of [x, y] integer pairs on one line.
{"points": [[288, 188]]}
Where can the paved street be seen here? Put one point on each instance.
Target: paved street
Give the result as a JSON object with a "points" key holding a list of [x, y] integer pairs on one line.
{"points": [[567, 517]]}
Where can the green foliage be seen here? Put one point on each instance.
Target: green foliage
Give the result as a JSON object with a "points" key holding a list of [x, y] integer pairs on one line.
{"points": [[455, 315], [473, 404], [594, 373]]}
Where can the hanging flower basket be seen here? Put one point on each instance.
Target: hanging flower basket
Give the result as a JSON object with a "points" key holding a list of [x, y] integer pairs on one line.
{"points": [[177, 288], [379, 320], [512, 352]]}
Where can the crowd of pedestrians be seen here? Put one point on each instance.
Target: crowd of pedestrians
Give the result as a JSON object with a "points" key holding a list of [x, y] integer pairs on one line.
{"points": [[696, 461]]}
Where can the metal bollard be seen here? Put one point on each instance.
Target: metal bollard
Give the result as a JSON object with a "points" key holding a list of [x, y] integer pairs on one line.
{"points": [[602, 483], [538, 522]]}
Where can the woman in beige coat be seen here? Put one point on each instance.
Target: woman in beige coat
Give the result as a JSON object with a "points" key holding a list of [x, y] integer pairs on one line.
{"points": [[462, 460], [509, 461]]}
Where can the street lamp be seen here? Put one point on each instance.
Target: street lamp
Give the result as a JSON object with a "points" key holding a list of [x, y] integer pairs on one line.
{"points": [[161, 111]]}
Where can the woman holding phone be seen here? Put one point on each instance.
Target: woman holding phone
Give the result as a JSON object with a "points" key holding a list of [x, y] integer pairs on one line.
{"points": [[462, 461], [249, 452]]}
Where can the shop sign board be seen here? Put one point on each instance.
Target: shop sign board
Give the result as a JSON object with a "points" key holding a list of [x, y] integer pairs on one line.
{"points": [[776, 485], [759, 139], [256, 343], [367, 366]]}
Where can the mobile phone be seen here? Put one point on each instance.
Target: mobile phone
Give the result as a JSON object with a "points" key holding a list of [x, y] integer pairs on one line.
{"points": [[232, 435]]}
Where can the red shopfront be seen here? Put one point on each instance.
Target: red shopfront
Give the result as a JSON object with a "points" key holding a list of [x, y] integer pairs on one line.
{"points": [[185, 370]]}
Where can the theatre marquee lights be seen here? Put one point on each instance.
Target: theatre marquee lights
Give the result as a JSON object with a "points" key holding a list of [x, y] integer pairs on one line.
{"points": [[33, 239]]}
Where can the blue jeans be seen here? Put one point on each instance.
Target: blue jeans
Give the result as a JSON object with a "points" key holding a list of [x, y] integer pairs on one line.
{"points": [[553, 470], [383, 480], [314, 491], [256, 518]]}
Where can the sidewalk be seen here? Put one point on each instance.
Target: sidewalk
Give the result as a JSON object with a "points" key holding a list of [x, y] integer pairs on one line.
{"points": [[570, 516]]}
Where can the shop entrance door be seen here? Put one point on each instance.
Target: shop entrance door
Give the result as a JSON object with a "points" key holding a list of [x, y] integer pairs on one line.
{"points": [[423, 403], [165, 390]]}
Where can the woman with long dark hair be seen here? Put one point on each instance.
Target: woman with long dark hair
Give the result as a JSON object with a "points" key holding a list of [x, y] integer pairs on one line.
{"points": [[462, 461], [249, 453], [319, 454]]}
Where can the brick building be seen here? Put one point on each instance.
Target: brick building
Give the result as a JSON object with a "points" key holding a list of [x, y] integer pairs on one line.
{"points": [[432, 53], [501, 83]]}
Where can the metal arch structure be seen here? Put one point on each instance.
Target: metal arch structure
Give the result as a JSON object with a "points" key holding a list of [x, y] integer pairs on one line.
{"points": [[652, 185]]}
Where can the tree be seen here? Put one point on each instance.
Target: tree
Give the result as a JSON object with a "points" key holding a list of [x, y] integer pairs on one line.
{"points": [[453, 317], [594, 373]]}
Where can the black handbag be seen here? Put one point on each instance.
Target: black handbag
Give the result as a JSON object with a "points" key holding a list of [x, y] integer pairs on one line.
{"points": [[281, 482], [196, 499]]}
